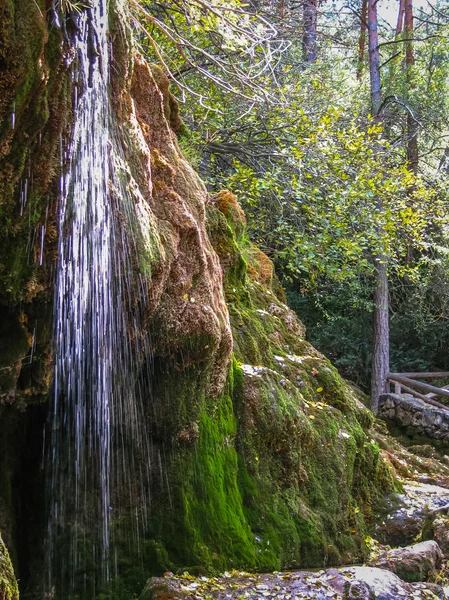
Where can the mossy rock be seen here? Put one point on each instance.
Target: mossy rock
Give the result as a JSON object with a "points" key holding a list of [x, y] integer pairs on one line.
{"points": [[8, 585], [278, 471]]}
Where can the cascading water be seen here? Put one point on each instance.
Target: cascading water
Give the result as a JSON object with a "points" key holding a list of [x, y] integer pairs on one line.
{"points": [[99, 456]]}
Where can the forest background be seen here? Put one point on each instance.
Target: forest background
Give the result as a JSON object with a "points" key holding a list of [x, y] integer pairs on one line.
{"points": [[329, 122]]}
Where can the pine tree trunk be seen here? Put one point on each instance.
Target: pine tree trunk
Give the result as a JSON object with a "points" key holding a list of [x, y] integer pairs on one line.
{"points": [[374, 67], [400, 22], [412, 123], [381, 350], [362, 39], [309, 47]]}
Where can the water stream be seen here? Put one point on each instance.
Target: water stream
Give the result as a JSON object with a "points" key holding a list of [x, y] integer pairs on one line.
{"points": [[98, 449]]}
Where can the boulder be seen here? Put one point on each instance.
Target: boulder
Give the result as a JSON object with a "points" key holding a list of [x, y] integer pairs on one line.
{"points": [[436, 527], [162, 588], [379, 584], [406, 521], [412, 563]]}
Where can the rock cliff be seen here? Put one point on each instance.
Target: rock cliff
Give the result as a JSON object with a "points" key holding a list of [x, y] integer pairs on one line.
{"points": [[262, 454]]}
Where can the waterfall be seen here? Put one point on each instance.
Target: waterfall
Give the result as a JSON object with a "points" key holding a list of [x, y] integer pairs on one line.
{"points": [[98, 457]]}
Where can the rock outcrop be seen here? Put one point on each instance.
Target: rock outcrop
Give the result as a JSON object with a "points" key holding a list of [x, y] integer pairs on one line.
{"points": [[436, 527], [263, 456]]}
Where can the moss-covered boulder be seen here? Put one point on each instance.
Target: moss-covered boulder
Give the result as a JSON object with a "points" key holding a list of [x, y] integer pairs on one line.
{"points": [[309, 472], [8, 584]]}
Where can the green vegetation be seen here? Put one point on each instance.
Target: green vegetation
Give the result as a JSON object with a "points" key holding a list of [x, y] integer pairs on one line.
{"points": [[8, 583], [325, 186]]}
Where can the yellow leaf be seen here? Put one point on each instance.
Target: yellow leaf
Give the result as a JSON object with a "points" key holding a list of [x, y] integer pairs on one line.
{"points": [[320, 389]]}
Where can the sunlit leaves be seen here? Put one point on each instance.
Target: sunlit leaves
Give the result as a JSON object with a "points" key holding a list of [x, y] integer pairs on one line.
{"points": [[318, 214]]}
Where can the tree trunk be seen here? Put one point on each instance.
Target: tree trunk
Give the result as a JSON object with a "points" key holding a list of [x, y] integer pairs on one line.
{"points": [[281, 9], [373, 47], [400, 23], [412, 123], [362, 39], [381, 350], [309, 33]]}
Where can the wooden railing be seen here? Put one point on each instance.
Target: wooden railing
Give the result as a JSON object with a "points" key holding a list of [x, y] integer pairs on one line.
{"points": [[408, 381]]}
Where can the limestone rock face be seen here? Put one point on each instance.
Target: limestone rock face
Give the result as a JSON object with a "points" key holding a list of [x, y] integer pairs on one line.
{"points": [[188, 310]]}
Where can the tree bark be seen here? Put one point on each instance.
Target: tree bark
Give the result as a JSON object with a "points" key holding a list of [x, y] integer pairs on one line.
{"points": [[373, 50], [281, 9], [412, 123], [309, 46], [381, 350], [400, 23], [362, 39]]}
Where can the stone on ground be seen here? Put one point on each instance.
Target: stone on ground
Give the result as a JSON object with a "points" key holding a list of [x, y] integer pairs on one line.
{"points": [[162, 588], [412, 563], [353, 583]]}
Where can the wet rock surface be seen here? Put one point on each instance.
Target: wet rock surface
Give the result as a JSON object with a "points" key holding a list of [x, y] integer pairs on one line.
{"points": [[361, 583], [412, 563], [402, 526]]}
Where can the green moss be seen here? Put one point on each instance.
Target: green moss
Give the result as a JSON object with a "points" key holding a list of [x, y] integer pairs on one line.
{"points": [[8, 584], [206, 509], [223, 537], [309, 475], [14, 345]]}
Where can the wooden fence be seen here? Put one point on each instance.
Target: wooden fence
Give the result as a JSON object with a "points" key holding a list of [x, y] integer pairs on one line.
{"points": [[407, 382]]}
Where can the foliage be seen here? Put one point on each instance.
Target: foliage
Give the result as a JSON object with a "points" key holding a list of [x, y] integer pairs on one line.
{"points": [[324, 187], [324, 221], [68, 6]]}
